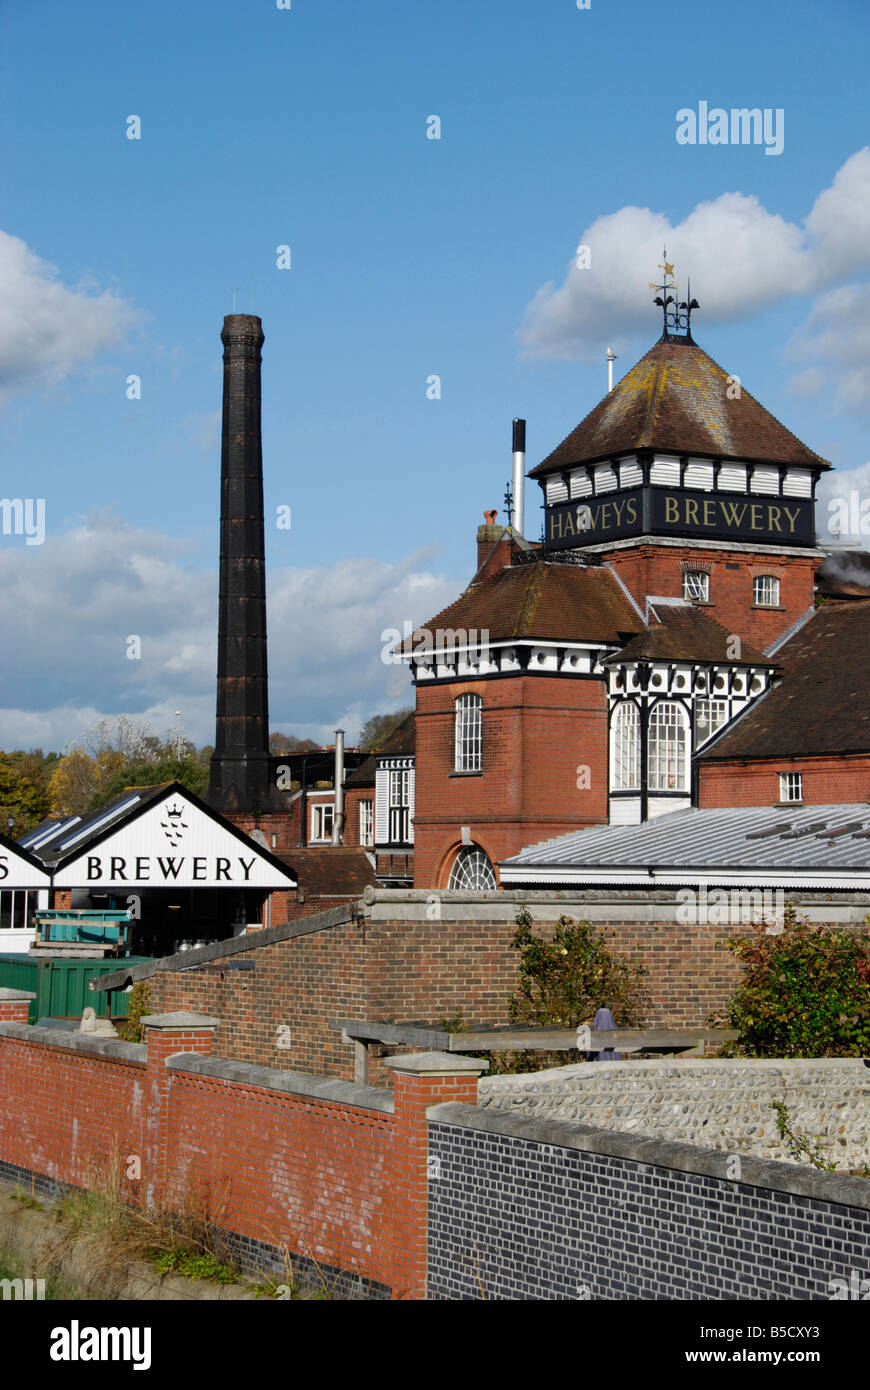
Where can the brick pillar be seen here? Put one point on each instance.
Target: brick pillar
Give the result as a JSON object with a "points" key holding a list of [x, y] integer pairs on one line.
{"points": [[422, 1079], [15, 1005], [166, 1035]]}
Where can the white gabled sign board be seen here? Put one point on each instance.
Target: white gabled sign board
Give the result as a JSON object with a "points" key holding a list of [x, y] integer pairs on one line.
{"points": [[172, 844], [17, 869]]}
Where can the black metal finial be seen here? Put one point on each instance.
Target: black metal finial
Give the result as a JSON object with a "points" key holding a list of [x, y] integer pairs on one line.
{"points": [[509, 503], [677, 315]]}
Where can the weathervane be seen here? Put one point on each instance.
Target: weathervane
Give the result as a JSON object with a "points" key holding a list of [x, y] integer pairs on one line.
{"points": [[677, 316], [509, 503]]}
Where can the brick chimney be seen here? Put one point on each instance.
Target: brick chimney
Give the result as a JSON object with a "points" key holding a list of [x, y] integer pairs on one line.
{"points": [[241, 766], [495, 547]]}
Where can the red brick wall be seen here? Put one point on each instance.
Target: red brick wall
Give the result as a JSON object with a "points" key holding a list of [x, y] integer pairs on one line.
{"points": [[404, 972], [653, 570], [339, 1183], [538, 731], [826, 781]]}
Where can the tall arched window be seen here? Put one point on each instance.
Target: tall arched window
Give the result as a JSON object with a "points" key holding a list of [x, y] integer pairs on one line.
{"points": [[667, 752], [625, 747], [469, 733], [472, 870]]}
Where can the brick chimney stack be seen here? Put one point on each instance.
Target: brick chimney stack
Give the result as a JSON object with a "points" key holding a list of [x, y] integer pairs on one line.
{"points": [[241, 766]]}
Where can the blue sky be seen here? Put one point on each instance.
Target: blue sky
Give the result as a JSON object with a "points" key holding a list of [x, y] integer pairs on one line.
{"points": [[307, 127]]}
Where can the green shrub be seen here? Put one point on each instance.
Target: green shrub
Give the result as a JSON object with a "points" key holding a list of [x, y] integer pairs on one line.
{"points": [[564, 982], [805, 992]]}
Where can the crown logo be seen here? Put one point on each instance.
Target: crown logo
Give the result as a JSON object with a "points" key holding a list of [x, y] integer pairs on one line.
{"points": [[173, 826]]}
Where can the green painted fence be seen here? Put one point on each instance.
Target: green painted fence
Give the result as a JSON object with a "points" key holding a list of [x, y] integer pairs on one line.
{"points": [[61, 985]]}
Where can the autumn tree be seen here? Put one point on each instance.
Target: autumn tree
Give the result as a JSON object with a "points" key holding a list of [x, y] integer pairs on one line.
{"points": [[21, 801]]}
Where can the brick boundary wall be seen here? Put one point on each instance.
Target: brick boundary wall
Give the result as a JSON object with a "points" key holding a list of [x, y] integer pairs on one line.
{"points": [[544, 1209], [405, 956], [327, 1174]]}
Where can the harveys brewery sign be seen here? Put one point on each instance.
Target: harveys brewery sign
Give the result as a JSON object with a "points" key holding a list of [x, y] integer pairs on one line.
{"points": [[664, 511], [174, 843]]}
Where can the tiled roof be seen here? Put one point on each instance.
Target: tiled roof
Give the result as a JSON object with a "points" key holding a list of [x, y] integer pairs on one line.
{"points": [[820, 705], [686, 633], [674, 400], [330, 871], [543, 600]]}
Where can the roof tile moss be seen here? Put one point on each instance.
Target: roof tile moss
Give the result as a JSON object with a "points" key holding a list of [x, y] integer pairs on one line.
{"points": [[676, 399]]}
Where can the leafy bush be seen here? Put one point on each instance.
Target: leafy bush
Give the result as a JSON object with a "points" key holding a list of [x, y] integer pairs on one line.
{"points": [[138, 1004], [564, 982], [805, 992]]}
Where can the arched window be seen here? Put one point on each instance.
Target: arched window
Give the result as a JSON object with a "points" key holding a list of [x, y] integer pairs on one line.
{"points": [[625, 747], [469, 733], [667, 761], [472, 870]]}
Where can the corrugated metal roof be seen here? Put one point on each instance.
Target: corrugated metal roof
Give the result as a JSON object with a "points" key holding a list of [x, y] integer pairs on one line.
{"points": [[810, 839]]}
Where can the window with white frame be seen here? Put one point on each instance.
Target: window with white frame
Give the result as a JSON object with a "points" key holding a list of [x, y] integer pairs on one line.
{"points": [[710, 715], [367, 824], [696, 586], [626, 747], [765, 591], [322, 820], [791, 786], [472, 870], [469, 733], [17, 906], [667, 748], [400, 805]]}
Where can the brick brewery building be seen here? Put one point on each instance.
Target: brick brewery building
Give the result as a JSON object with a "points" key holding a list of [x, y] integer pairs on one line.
{"points": [[656, 649]]}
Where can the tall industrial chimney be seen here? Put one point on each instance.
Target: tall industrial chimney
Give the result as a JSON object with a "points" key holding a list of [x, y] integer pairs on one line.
{"points": [[241, 765]]}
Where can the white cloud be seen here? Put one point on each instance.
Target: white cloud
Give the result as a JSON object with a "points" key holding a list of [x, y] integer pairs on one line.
{"points": [[739, 255], [71, 604], [47, 330], [837, 333]]}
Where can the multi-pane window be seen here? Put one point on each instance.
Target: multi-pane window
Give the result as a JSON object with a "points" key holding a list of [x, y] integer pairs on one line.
{"points": [[469, 733], [626, 747], [668, 748], [710, 715], [696, 585], [791, 786], [472, 870], [765, 591], [322, 820], [400, 805], [366, 824], [17, 907]]}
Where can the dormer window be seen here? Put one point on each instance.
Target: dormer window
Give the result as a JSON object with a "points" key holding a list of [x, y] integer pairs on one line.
{"points": [[696, 586]]}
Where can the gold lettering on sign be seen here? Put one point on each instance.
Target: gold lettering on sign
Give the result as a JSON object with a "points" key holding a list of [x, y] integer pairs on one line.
{"points": [[631, 511], [553, 532], [709, 512], [691, 512], [792, 518], [774, 514], [569, 525], [672, 511], [730, 512], [605, 513], [755, 519]]}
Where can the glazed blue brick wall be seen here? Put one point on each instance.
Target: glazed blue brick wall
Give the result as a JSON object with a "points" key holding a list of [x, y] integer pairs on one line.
{"points": [[521, 1219]]}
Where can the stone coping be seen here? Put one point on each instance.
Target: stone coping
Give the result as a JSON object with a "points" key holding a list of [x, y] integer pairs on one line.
{"points": [[837, 1188], [437, 1064], [113, 1049], [180, 1021], [292, 1083], [13, 994]]}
